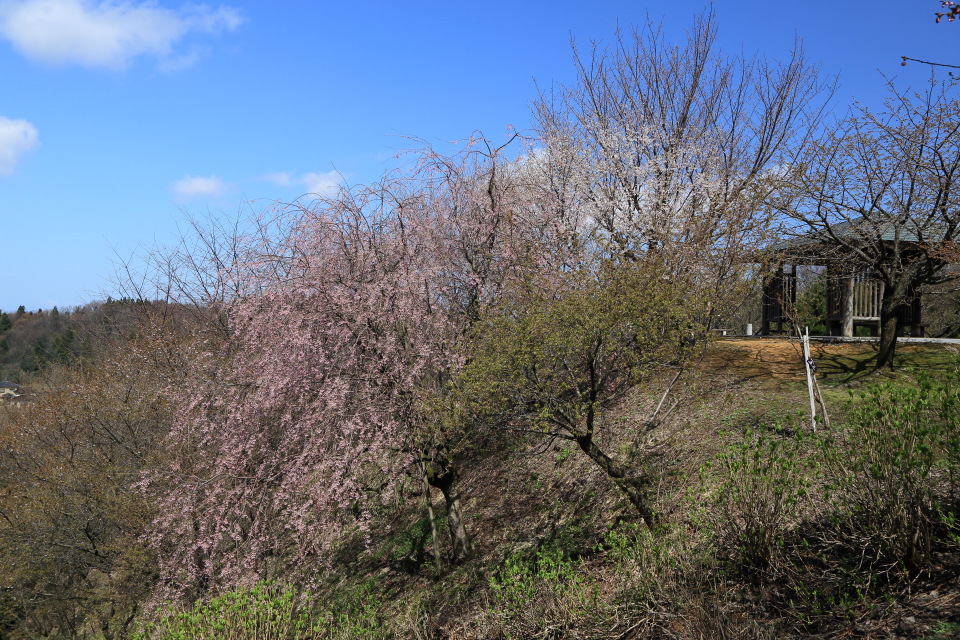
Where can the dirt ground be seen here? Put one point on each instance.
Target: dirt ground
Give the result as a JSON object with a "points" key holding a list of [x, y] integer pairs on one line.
{"points": [[780, 358], [777, 357]]}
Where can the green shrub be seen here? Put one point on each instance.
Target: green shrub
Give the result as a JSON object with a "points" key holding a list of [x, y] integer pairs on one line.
{"points": [[354, 613], [898, 463], [546, 591], [762, 481], [269, 611], [522, 580], [264, 612]]}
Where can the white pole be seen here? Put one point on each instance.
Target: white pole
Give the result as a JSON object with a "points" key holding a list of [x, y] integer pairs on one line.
{"points": [[806, 363]]}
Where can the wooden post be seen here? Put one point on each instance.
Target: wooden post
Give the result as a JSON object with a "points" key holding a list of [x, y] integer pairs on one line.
{"points": [[847, 286], [805, 339]]}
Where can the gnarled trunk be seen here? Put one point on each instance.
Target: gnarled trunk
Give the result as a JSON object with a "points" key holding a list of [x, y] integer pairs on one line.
{"points": [[888, 336], [442, 474], [634, 485]]}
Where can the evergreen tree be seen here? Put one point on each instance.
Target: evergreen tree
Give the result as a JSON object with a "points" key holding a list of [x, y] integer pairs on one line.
{"points": [[61, 348], [39, 354]]}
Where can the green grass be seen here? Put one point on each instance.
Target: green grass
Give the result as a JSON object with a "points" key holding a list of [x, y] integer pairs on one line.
{"points": [[944, 631], [842, 368]]}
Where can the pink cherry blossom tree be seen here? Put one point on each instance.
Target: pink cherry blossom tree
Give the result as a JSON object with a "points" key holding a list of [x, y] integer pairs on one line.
{"points": [[331, 386]]}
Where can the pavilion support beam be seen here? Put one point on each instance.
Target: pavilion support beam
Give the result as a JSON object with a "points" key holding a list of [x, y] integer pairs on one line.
{"points": [[772, 301], [846, 305]]}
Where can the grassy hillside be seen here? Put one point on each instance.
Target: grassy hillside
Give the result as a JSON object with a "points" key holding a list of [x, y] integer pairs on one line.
{"points": [[766, 530]]}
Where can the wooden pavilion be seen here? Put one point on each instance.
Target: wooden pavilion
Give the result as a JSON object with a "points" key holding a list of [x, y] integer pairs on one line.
{"points": [[853, 300], [853, 294]]}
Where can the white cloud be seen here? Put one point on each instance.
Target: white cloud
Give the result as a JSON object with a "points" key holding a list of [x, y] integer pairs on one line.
{"points": [[107, 33], [17, 137], [173, 64], [190, 187], [321, 184], [281, 178]]}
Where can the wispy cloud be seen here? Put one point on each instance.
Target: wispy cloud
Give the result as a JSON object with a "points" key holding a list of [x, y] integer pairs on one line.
{"points": [[321, 184], [192, 187], [17, 137], [280, 178], [107, 34]]}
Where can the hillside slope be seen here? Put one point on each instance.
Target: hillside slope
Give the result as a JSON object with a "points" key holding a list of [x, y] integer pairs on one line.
{"points": [[764, 529]]}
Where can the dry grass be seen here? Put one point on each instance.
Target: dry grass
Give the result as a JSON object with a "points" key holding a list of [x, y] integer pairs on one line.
{"points": [[533, 495], [561, 555]]}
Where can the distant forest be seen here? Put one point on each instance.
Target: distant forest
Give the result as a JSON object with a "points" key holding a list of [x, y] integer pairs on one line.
{"points": [[32, 340]]}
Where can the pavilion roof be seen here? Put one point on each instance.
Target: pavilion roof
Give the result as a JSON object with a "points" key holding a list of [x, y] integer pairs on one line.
{"points": [[820, 242]]}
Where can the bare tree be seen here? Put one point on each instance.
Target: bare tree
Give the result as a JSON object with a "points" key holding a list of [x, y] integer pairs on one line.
{"points": [[878, 194], [672, 149], [655, 165]]}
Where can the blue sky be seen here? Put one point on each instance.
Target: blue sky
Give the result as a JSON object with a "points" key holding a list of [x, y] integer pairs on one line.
{"points": [[118, 119]]}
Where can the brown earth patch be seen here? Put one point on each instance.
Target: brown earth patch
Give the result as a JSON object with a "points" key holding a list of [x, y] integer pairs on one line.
{"points": [[780, 358]]}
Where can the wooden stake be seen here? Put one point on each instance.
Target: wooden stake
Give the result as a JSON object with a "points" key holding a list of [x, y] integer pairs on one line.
{"points": [[805, 338]]}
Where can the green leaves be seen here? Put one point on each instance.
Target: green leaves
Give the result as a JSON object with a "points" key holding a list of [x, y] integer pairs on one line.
{"points": [[903, 449], [271, 611], [764, 480], [555, 352]]}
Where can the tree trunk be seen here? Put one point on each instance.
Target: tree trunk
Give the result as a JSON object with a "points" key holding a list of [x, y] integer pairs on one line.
{"points": [[462, 549], [433, 521], [888, 334], [634, 486], [443, 475]]}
